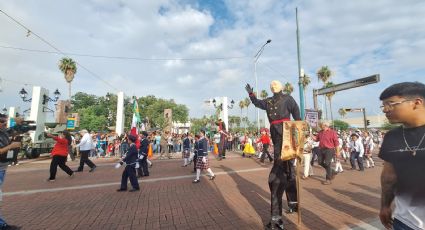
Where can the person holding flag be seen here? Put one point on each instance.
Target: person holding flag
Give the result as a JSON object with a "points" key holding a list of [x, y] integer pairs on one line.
{"points": [[135, 122]]}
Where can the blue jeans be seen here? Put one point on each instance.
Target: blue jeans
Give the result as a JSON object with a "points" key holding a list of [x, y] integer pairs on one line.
{"points": [[398, 225], [2, 175]]}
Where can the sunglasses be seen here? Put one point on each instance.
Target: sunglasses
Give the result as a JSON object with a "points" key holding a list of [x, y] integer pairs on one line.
{"points": [[3, 121]]}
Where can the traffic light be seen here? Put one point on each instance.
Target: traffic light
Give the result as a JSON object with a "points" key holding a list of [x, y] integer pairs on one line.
{"points": [[367, 122], [347, 110]]}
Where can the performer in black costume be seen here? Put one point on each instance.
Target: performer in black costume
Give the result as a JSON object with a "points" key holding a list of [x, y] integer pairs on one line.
{"points": [[223, 139], [282, 178], [143, 153]]}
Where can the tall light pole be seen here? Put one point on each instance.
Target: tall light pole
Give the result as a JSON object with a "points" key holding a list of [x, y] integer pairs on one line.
{"points": [[300, 72], [256, 57]]}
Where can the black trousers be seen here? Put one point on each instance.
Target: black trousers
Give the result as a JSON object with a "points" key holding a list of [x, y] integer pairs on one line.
{"points": [[84, 159], [222, 148], [353, 157], [282, 179], [325, 160], [143, 168], [61, 161], [129, 173], [282, 176], [266, 151]]}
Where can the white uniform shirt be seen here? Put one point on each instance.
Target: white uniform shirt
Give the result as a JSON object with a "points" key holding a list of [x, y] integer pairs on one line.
{"points": [[85, 143], [357, 146]]}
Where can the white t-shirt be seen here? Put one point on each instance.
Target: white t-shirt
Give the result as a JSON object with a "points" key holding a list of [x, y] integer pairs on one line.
{"points": [[408, 212]]}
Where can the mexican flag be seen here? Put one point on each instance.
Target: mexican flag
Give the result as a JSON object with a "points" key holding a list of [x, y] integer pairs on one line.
{"points": [[135, 122]]}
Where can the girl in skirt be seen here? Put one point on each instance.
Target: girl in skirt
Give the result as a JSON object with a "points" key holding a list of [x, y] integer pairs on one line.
{"points": [[248, 149], [202, 161]]}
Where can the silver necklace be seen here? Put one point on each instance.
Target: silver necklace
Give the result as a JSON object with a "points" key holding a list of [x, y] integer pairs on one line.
{"points": [[413, 150]]}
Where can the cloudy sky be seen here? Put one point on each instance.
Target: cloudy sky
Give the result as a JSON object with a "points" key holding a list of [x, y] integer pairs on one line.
{"points": [[191, 50]]}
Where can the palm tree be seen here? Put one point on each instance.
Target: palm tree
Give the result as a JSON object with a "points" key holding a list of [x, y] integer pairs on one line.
{"points": [[342, 112], [247, 103], [324, 74], [263, 94], [288, 88], [329, 96], [69, 69], [241, 106], [306, 80]]}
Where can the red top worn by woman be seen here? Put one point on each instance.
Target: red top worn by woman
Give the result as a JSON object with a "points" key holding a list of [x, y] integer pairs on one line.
{"points": [[60, 148]]}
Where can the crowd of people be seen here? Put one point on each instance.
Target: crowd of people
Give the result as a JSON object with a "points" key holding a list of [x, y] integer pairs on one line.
{"points": [[401, 151]]}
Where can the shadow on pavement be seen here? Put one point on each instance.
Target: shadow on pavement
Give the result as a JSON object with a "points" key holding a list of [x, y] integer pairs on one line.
{"points": [[367, 188], [361, 198], [253, 194], [344, 207]]}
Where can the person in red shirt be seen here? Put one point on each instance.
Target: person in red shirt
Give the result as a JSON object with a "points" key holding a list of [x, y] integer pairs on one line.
{"points": [[265, 141], [60, 153], [328, 145]]}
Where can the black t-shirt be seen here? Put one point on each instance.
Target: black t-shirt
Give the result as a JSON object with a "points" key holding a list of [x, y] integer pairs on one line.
{"points": [[409, 168]]}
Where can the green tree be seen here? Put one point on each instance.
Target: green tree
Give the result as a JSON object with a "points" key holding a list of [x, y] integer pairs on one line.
{"points": [[288, 88], [306, 80], [69, 69], [342, 112], [242, 106], [247, 103], [324, 74], [341, 125], [90, 119], [264, 94], [389, 126]]}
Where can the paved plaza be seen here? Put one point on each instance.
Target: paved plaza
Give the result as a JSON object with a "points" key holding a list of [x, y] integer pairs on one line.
{"points": [[238, 198]]}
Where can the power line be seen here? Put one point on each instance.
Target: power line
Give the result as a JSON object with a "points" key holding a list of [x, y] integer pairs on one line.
{"points": [[124, 57], [29, 32]]}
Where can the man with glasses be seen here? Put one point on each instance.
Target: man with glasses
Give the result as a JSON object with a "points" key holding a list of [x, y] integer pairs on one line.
{"points": [[5, 146], [403, 150]]}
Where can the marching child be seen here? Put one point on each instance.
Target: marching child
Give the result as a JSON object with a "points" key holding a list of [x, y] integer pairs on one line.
{"points": [[186, 150], [130, 169], [202, 161]]}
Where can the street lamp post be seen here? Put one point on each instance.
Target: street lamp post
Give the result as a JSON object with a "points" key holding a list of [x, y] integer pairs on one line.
{"points": [[223, 107], [256, 57]]}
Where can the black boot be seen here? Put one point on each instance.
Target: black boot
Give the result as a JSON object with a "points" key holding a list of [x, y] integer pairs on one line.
{"points": [[275, 224]]}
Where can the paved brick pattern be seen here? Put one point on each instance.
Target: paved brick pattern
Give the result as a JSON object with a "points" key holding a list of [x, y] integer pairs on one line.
{"points": [[238, 198]]}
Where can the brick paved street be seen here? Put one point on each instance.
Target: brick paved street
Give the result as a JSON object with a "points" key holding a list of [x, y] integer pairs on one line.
{"points": [[237, 199]]}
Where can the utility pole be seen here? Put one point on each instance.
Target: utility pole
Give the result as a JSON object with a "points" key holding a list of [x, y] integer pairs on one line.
{"points": [[300, 77], [364, 119]]}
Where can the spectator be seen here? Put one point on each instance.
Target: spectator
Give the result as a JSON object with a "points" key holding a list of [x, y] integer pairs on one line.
{"points": [[403, 150]]}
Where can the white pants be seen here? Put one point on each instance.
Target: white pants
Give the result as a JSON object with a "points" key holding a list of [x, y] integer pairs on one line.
{"points": [[369, 159], [338, 166], [308, 170]]}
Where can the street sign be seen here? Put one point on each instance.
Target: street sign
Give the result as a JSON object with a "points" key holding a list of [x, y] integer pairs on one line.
{"points": [[312, 118], [70, 123]]}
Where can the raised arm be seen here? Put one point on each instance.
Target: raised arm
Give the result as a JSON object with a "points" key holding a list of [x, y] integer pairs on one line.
{"points": [[258, 103]]}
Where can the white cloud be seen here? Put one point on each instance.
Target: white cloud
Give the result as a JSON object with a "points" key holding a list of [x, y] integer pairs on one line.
{"points": [[354, 38]]}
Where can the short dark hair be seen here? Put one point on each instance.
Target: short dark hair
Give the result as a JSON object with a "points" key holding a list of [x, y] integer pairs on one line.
{"points": [[404, 89], [132, 138]]}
